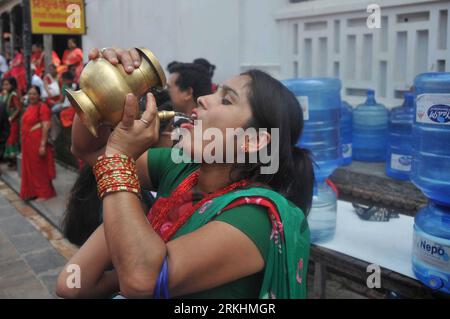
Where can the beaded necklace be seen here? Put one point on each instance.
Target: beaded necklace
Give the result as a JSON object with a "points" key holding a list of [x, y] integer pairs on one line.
{"points": [[169, 214]]}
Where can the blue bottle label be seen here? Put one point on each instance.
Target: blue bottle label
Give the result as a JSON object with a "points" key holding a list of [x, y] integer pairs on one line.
{"points": [[347, 150], [433, 109], [425, 249], [401, 162], [304, 103]]}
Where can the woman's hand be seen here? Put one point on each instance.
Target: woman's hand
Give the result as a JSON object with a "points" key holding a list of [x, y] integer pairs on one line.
{"points": [[42, 150], [133, 137], [130, 59]]}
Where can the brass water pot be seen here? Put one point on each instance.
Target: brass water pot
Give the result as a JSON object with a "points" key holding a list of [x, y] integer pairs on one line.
{"points": [[104, 87]]}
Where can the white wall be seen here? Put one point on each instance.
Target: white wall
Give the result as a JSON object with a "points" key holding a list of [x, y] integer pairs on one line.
{"points": [[333, 40], [233, 34], [260, 45]]}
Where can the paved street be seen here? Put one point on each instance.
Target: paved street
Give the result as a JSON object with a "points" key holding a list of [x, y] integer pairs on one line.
{"points": [[52, 209], [32, 251]]}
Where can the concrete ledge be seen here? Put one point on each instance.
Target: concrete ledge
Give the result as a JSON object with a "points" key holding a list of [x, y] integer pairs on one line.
{"points": [[53, 209]]}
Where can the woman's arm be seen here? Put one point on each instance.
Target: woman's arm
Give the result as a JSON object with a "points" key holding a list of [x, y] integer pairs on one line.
{"points": [[92, 259], [137, 252], [45, 130], [214, 255]]}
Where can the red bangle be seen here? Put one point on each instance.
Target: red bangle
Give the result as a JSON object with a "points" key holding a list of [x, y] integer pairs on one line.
{"points": [[116, 173]]}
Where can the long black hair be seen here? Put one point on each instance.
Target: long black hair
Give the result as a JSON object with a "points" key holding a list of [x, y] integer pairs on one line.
{"points": [[274, 106], [82, 216]]}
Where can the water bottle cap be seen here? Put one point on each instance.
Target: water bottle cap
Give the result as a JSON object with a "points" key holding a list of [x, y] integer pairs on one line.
{"points": [[370, 92]]}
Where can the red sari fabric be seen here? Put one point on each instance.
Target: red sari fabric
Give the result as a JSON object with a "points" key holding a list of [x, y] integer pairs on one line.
{"points": [[74, 57], [37, 172], [13, 138], [19, 73], [38, 60], [66, 116]]}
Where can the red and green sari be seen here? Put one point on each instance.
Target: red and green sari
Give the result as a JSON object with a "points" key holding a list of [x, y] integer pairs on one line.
{"points": [[13, 109], [287, 255]]}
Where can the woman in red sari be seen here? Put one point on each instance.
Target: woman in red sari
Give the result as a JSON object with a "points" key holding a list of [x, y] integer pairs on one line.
{"points": [[38, 166], [18, 71], [38, 59], [13, 108], [73, 56]]}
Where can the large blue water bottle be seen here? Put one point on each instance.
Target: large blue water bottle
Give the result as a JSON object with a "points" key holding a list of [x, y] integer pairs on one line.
{"points": [[399, 148], [346, 133], [431, 173], [370, 121], [430, 170], [320, 99], [431, 247], [321, 102]]}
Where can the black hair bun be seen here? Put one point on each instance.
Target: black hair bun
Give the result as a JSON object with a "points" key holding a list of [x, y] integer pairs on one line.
{"points": [[206, 64]]}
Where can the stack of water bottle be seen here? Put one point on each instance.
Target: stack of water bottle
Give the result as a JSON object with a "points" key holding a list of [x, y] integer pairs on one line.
{"points": [[430, 172], [320, 100], [413, 140]]}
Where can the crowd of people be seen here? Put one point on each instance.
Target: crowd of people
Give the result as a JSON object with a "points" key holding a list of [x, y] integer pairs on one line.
{"points": [[33, 117]]}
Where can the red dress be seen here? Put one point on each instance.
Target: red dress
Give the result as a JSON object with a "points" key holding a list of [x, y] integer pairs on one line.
{"points": [[18, 72], [37, 171], [74, 57], [37, 59]]}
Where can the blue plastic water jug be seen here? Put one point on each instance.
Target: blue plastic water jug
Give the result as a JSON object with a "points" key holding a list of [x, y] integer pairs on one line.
{"points": [[431, 247], [399, 149], [430, 170], [320, 100], [370, 121]]}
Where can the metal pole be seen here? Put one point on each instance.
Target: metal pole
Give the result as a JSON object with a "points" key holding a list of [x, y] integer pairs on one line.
{"points": [[27, 39], [2, 46], [12, 38], [48, 49]]}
